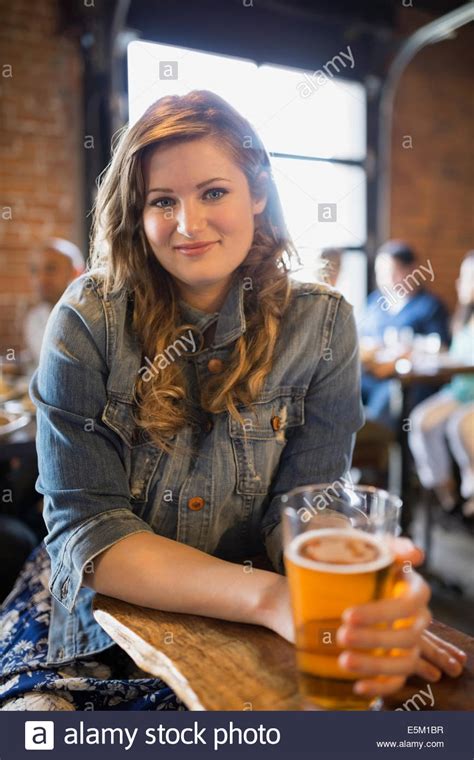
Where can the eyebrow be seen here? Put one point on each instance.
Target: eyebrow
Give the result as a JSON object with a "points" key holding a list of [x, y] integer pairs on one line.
{"points": [[198, 187]]}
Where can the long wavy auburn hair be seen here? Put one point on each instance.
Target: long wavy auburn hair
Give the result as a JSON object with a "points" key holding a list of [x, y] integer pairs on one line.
{"points": [[123, 258]]}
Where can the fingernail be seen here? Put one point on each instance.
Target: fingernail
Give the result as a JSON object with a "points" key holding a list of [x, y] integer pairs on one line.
{"points": [[342, 659], [454, 665], [359, 688], [341, 634], [347, 614]]}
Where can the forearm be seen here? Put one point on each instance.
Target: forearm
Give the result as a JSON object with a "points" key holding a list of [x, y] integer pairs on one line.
{"points": [[157, 572]]}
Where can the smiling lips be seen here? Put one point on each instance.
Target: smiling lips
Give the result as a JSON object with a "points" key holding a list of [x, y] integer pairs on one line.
{"points": [[194, 249]]}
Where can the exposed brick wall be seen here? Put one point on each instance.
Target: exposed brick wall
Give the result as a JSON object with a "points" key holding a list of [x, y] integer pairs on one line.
{"points": [[40, 148], [432, 182]]}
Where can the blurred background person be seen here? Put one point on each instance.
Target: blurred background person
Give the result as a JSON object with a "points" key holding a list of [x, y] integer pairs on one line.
{"points": [[401, 300], [401, 304], [442, 427], [53, 266], [331, 262]]}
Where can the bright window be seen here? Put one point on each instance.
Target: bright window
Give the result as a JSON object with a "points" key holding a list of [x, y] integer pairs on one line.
{"points": [[329, 122]]}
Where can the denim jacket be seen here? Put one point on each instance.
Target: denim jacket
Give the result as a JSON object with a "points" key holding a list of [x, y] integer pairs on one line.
{"points": [[102, 482]]}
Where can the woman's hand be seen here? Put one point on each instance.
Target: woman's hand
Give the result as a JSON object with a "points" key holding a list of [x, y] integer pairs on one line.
{"points": [[423, 653], [438, 656], [275, 608]]}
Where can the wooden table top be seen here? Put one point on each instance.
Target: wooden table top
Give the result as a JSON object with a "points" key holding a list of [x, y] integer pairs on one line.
{"points": [[440, 374], [217, 665]]}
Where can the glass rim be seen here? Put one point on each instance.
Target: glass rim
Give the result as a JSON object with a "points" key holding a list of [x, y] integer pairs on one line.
{"points": [[393, 498]]}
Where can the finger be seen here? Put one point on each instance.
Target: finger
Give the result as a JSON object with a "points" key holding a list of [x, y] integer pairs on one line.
{"points": [[426, 670], [459, 654], [379, 687], [406, 551], [356, 637], [370, 665], [416, 595], [442, 658]]}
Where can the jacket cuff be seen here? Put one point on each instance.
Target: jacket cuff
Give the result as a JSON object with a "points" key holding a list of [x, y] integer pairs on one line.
{"points": [[90, 539]]}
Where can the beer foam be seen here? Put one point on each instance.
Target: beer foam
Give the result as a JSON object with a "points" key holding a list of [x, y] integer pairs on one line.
{"points": [[337, 550]]}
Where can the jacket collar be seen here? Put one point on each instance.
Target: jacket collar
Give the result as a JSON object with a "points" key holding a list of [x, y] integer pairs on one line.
{"points": [[231, 322], [126, 354]]}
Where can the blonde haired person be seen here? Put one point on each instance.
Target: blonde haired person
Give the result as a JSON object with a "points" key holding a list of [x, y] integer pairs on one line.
{"points": [[185, 383]]}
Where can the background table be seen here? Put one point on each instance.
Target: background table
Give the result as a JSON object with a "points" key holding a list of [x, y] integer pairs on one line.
{"points": [[21, 443], [217, 665]]}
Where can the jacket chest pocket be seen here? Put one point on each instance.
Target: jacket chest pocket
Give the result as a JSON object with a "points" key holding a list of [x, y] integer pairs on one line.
{"points": [[259, 440], [140, 457]]}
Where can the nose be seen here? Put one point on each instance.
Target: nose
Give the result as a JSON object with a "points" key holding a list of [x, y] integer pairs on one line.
{"points": [[190, 218]]}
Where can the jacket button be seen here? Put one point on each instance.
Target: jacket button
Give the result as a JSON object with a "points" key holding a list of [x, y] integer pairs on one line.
{"points": [[65, 588], [215, 366], [196, 503], [276, 423], [208, 425]]}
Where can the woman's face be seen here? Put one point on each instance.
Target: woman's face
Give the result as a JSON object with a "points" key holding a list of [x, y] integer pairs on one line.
{"points": [[195, 193]]}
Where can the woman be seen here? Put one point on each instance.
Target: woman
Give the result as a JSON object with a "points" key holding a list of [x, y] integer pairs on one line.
{"points": [[160, 476], [442, 427]]}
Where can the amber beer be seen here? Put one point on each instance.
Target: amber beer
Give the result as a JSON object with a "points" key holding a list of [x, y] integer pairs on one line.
{"points": [[330, 570]]}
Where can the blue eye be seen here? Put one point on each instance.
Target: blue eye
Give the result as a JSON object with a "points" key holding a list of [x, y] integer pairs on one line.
{"points": [[217, 190], [158, 201], [166, 202]]}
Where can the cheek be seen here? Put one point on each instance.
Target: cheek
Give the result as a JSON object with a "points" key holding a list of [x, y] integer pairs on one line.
{"points": [[236, 223], [155, 228]]}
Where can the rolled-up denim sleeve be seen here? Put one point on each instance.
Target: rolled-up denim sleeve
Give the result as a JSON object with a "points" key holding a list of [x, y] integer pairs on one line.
{"points": [[87, 505], [320, 450]]}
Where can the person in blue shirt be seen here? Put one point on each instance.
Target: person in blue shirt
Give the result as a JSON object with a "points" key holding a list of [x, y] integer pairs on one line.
{"points": [[442, 427], [401, 302], [185, 383]]}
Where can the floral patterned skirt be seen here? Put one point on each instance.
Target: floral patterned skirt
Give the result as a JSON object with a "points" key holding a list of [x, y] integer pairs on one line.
{"points": [[109, 680]]}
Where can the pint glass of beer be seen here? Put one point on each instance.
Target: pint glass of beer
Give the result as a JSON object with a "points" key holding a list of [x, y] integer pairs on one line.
{"points": [[337, 554]]}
